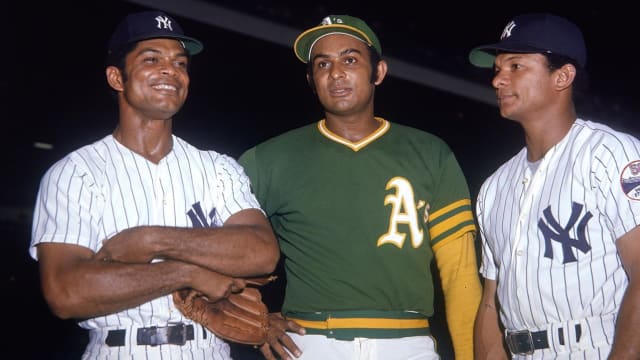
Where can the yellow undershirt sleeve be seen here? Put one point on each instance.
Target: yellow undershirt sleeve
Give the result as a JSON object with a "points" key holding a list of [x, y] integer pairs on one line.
{"points": [[456, 261]]}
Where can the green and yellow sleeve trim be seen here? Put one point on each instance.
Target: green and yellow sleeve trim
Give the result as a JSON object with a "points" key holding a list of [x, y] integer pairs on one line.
{"points": [[451, 222]]}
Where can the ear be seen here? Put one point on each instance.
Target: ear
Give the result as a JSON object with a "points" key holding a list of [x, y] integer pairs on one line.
{"points": [[311, 83], [565, 76], [114, 78], [381, 72]]}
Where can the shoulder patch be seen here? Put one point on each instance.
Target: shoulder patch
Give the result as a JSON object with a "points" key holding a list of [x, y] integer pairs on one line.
{"points": [[630, 180]]}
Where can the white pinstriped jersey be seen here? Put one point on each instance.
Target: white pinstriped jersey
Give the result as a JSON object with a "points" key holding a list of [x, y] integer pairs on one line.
{"points": [[548, 235], [103, 188]]}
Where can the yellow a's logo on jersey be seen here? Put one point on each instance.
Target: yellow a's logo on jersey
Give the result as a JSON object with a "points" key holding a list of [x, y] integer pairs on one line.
{"points": [[403, 211]]}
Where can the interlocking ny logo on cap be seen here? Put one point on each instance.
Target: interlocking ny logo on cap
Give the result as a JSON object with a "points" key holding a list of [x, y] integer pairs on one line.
{"points": [[507, 30], [164, 22]]}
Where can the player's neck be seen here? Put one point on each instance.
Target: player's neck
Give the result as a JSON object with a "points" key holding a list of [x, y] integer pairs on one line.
{"points": [[542, 136], [152, 145]]}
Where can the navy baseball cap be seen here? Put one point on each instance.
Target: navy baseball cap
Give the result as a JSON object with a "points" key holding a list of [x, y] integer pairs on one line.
{"points": [[335, 24], [150, 25], [535, 33]]}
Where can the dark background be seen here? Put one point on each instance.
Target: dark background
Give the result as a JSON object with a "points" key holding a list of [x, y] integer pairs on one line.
{"points": [[245, 90]]}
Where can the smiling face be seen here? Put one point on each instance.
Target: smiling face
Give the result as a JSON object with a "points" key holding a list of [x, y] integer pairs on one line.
{"points": [[156, 83], [342, 74]]}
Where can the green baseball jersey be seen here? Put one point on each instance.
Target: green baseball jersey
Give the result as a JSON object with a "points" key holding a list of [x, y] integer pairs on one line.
{"points": [[357, 222]]}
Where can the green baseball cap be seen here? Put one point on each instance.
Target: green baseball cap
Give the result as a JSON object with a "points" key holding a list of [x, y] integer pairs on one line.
{"points": [[335, 24]]}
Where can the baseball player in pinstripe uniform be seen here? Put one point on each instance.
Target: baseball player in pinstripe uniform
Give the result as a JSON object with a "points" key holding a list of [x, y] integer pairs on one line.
{"points": [[123, 222], [362, 206], [559, 220]]}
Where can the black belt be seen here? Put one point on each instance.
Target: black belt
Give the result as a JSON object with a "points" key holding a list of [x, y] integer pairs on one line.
{"points": [[174, 334], [525, 342]]}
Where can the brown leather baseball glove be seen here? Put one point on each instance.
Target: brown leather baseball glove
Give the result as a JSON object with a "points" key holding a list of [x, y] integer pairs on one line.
{"points": [[242, 317]]}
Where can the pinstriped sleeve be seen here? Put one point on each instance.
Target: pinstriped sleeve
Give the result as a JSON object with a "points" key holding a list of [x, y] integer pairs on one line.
{"points": [[67, 206], [248, 163], [616, 164], [487, 266], [234, 188]]}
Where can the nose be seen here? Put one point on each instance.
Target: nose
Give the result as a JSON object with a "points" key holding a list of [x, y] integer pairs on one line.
{"points": [[167, 67], [499, 79], [336, 71]]}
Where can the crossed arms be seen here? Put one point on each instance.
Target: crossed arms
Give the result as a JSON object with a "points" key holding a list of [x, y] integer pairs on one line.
{"points": [[78, 283]]}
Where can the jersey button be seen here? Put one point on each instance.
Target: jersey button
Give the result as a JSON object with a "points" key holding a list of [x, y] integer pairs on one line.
{"points": [[519, 252]]}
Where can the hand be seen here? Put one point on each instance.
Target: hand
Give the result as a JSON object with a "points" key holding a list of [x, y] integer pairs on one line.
{"points": [[128, 246], [215, 286], [278, 340]]}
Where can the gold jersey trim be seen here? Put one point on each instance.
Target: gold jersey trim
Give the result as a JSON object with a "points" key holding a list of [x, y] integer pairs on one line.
{"points": [[384, 127], [363, 323]]}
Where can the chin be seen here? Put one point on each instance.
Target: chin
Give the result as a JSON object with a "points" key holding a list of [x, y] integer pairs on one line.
{"points": [[506, 112]]}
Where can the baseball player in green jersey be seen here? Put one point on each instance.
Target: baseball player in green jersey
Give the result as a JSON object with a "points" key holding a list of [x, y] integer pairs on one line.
{"points": [[361, 207]]}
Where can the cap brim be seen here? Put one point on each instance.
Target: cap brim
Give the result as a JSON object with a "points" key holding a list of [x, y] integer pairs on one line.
{"points": [[190, 44], [484, 56], [303, 44]]}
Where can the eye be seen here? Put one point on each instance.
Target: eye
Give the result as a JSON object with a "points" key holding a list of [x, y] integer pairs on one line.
{"points": [[350, 60], [322, 64], [150, 59], [181, 64]]}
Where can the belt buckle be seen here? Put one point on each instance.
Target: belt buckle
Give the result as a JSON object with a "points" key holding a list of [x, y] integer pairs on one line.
{"points": [[177, 334], [149, 336], [520, 342]]}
